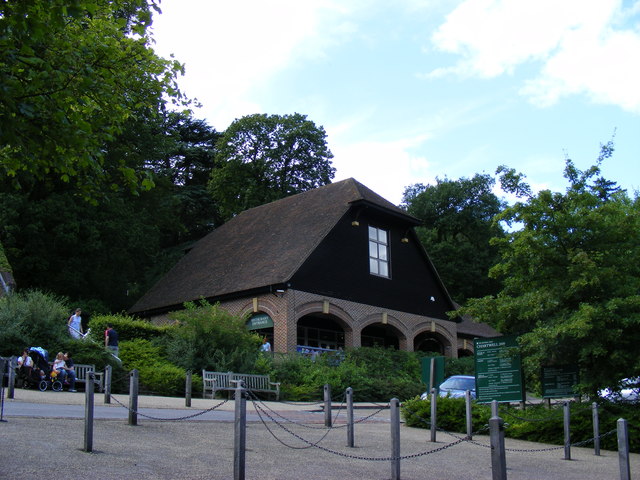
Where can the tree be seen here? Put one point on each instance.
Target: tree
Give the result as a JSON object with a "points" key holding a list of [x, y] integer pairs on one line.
{"points": [[72, 73], [262, 158], [571, 277], [457, 218]]}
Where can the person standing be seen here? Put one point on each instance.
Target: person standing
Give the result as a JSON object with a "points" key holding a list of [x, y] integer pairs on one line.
{"points": [[111, 340], [75, 324]]}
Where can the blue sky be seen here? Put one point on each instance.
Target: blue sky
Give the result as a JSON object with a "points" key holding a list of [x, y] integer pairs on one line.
{"points": [[411, 90]]}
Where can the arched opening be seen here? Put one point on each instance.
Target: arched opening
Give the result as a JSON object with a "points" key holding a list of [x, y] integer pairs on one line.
{"points": [[429, 342], [320, 331], [379, 335], [262, 325]]}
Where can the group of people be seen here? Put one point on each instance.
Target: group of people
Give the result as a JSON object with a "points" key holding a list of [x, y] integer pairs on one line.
{"points": [[74, 325], [62, 369]]}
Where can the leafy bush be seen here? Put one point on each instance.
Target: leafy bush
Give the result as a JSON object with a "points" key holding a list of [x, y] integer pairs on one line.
{"points": [[157, 376], [206, 336], [536, 423], [451, 414], [128, 328], [374, 374], [32, 319]]}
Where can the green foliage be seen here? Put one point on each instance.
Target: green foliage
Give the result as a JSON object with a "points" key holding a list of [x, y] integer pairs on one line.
{"points": [[4, 263], [451, 414], [157, 375], [127, 327], [262, 158], [535, 424], [459, 366], [32, 319], [211, 338], [571, 277], [458, 225], [374, 374], [73, 72]]}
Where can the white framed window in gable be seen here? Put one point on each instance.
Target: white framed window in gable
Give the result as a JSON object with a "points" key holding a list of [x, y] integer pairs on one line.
{"points": [[378, 252]]}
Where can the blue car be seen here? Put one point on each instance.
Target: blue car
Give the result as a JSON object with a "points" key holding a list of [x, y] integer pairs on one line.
{"points": [[455, 387]]}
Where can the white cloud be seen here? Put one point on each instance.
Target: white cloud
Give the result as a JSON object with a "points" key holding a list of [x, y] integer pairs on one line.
{"points": [[382, 166], [230, 48], [577, 44]]}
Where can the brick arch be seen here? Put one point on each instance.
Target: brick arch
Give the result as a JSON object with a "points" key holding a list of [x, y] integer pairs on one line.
{"points": [[265, 305], [376, 319], [441, 334], [343, 318]]}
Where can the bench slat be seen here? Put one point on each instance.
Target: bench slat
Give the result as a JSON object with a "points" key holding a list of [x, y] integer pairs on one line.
{"points": [[213, 381]]}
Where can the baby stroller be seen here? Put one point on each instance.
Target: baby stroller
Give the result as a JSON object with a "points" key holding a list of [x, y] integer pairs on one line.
{"points": [[42, 375]]}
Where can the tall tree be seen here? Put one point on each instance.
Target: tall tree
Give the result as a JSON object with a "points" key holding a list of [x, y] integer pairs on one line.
{"points": [[262, 158], [72, 73], [571, 276], [458, 225]]}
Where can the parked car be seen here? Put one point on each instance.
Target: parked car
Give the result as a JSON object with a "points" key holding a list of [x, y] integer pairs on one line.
{"points": [[629, 391], [455, 386]]}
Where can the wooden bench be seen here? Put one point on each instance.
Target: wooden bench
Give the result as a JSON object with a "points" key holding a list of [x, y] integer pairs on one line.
{"points": [[82, 374], [214, 381]]}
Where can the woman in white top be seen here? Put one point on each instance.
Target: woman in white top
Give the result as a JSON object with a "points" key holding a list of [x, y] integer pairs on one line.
{"points": [[75, 324]]}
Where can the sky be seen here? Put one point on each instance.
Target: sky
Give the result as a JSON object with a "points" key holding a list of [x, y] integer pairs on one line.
{"points": [[410, 91]]}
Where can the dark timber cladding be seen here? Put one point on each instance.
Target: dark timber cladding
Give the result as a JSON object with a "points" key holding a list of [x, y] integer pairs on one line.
{"points": [[412, 286]]}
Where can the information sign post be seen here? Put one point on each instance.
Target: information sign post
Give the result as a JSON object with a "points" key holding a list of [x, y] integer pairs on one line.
{"points": [[498, 370]]}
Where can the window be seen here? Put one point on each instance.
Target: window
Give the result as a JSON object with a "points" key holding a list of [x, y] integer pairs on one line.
{"points": [[378, 252]]}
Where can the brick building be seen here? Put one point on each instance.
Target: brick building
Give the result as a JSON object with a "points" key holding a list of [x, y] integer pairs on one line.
{"points": [[331, 268]]}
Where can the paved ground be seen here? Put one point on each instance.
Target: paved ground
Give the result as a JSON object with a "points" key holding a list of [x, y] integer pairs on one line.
{"points": [[43, 437]]}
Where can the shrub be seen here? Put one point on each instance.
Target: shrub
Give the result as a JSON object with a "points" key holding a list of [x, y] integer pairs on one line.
{"points": [[536, 423], [206, 336], [157, 376], [32, 319], [128, 328]]}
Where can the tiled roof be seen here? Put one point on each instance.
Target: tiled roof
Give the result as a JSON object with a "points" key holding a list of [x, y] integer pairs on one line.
{"points": [[261, 246]]}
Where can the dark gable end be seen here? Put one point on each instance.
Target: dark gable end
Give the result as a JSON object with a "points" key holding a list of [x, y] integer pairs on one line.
{"points": [[264, 247]]}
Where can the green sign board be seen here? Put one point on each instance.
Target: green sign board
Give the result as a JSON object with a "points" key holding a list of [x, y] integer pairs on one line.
{"points": [[559, 381], [438, 366], [258, 321], [498, 370]]}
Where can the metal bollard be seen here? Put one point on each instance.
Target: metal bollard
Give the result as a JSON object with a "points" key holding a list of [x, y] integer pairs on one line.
{"points": [[434, 414], [11, 383], [187, 390], [567, 431], [350, 432], [467, 398], [327, 405], [498, 459], [240, 433], [133, 398], [596, 429], [623, 449], [88, 413], [2, 368], [107, 384], [395, 439]]}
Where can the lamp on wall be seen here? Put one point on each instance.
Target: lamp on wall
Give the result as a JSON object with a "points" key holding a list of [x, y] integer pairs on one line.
{"points": [[355, 222], [405, 237], [278, 293]]}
